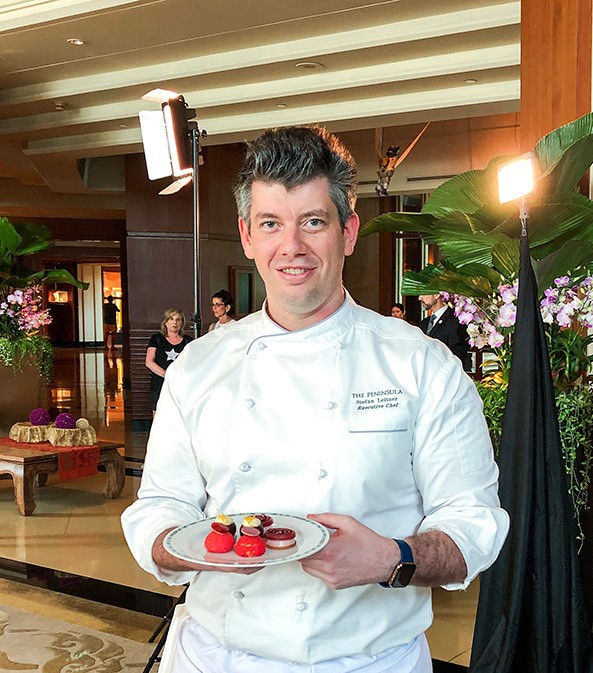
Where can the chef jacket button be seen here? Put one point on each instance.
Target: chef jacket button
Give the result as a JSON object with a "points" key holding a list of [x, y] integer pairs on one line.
{"points": [[239, 595], [249, 403], [339, 346], [245, 467], [322, 473], [302, 606], [261, 346], [329, 405]]}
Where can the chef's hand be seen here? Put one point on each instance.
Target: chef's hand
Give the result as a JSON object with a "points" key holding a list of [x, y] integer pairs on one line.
{"points": [[169, 562], [354, 555]]}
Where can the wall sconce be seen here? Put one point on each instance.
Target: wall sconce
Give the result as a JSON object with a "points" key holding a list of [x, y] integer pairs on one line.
{"points": [[57, 297]]}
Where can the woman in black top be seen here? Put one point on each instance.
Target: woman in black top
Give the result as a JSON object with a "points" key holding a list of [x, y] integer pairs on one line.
{"points": [[163, 348]]}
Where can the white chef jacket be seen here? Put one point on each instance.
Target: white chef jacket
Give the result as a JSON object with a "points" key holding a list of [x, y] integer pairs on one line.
{"points": [[359, 414]]}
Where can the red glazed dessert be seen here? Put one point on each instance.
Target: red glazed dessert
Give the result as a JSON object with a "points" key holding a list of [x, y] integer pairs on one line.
{"points": [[280, 538], [250, 545], [219, 543]]}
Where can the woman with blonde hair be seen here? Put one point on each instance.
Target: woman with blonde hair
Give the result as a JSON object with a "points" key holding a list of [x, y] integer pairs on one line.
{"points": [[163, 348]]}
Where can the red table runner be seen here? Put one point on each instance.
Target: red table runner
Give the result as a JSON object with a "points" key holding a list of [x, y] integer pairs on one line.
{"points": [[73, 461]]}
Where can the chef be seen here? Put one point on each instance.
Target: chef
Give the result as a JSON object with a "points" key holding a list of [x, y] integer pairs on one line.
{"points": [[315, 406]]}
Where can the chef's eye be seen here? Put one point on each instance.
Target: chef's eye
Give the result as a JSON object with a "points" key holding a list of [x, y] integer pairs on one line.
{"points": [[314, 223]]}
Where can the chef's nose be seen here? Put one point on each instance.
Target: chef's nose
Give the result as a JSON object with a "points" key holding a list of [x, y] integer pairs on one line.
{"points": [[292, 241]]}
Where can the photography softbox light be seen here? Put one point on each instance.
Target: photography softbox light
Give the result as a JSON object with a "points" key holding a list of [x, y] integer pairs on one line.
{"points": [[166, 139]]}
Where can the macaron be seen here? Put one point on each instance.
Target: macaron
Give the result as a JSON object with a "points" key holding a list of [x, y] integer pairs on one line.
{"points": [[280, 538]]}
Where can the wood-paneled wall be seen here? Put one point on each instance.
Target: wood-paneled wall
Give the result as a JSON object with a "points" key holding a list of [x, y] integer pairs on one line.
{"points": [[555, 65]]}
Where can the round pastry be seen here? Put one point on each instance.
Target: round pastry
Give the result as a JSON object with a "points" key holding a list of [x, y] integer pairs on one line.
{"points": [[252, 522], [228, 522], [250, 545], [266, 521], [280, 538], [219, 543]]}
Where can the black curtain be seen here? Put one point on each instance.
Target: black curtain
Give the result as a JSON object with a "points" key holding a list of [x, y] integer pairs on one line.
{"points": [[531, 615]]}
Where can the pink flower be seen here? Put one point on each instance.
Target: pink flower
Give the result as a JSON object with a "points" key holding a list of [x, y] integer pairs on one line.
{"points": [[507, 315]]}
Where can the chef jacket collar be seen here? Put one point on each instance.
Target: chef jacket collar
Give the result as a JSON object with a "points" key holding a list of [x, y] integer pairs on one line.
{"points": [[325, 331]]}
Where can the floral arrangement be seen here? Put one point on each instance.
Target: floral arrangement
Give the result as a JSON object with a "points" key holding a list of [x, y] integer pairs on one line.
{"points": [[565, 307], [21, 319], [22, 316], [22, 312]]}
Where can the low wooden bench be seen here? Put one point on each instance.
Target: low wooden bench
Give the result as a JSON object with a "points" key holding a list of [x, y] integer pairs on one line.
{"points": [[28, 465]]}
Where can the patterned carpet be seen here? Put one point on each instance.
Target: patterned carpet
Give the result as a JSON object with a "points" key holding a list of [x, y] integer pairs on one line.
{"points": [[31, 642]]}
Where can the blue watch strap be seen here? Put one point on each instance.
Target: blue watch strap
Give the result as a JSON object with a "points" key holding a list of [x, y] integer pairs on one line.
{"points": [[406, 551], [406, 558]]}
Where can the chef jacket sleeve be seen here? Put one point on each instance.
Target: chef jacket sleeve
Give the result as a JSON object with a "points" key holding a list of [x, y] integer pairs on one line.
{"points": [[172, 491]]}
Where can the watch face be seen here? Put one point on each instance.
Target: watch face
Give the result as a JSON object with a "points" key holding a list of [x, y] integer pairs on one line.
{"points": [[404, 574]]}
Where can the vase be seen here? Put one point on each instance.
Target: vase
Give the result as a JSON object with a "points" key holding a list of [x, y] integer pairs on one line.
{"points": [[20, 392]]}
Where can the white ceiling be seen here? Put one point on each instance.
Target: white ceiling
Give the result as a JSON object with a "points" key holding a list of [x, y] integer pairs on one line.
{"points": [[381, 63]]}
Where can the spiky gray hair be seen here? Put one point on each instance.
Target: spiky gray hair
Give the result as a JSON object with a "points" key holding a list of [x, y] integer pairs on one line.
{"points": [[293, 156]]}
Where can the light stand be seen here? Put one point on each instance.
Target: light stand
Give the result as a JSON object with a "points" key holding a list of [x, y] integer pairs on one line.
{"points": [[195, 150], [172, 148]]}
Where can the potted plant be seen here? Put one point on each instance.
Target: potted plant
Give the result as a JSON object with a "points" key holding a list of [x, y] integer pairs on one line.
{"points": [[22, 316], [478, 242]]}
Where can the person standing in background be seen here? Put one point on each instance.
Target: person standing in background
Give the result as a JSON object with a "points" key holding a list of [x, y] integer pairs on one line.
{"points": [[442, 324], [223, 308], [163, 349], [398, 311], [110, 312]]}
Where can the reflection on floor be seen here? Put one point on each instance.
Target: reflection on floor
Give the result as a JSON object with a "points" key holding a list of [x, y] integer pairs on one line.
{"points": [[70, 558]]}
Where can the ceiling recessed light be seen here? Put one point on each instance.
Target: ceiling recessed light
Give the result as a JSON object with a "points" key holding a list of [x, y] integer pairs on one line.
{"points": [[75, 41], [281, 106], [123, 126], [310, 65], [471, 80]]}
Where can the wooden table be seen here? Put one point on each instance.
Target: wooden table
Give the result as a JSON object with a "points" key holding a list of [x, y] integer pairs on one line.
{"points": [[28, 465]]}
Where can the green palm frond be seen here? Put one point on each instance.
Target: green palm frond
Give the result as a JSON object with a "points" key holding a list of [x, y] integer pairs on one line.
{"points": [[565, 154], [389, 222]]}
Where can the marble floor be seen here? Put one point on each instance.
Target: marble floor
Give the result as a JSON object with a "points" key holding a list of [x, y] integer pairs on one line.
{"points": [[69, 558]]}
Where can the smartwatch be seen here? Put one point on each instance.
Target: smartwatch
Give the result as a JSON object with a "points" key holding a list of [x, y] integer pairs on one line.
{"points": [[402, 573]]}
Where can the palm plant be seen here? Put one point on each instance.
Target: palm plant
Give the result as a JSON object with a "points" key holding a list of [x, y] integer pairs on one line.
{"points": [[479, 238], [21, 306]]}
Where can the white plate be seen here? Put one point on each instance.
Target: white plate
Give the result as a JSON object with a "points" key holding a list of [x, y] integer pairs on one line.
{"points": [[187, 542]]}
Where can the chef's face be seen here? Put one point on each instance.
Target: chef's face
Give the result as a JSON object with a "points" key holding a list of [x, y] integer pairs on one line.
{"points": [[299, 247]]}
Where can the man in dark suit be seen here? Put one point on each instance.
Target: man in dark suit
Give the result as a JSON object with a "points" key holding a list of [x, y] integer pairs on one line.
{"points": [[443, 325]]}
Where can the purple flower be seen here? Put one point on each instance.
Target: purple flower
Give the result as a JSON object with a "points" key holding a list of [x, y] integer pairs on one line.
{"points": [[39, 417], [562, 281], [66, 421]]}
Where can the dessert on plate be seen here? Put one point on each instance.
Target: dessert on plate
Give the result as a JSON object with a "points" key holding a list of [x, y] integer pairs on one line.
{"points": [[280, 538]]}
